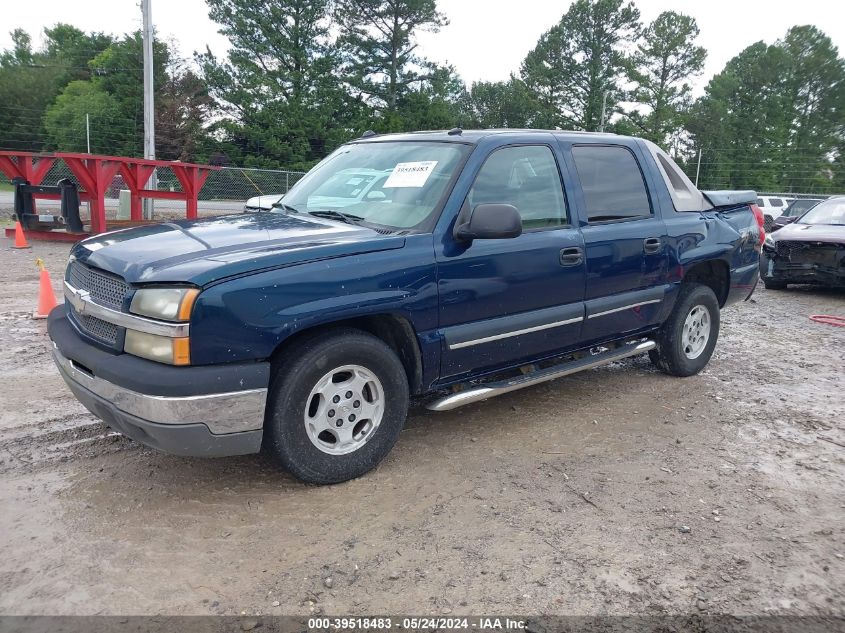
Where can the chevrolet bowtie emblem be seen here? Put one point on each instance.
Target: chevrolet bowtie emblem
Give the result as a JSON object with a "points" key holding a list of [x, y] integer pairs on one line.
{"points": [[79, 299]]}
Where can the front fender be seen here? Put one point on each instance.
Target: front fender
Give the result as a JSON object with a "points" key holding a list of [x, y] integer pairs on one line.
{"points": [[247, 318]]}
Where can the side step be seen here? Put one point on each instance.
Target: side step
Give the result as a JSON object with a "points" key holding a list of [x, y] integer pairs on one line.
{"points": [[493, 389]]}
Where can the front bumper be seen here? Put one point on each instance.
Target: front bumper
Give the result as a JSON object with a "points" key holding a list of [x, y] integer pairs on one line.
{"points": [[776, 268], [205, 411]]}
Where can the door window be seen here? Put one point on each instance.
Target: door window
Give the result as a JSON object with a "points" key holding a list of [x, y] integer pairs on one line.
{"points": [[526, 177], [612, 183]]}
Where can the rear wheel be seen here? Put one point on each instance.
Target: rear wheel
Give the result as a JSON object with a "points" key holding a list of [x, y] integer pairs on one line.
{"points": [[336, 406], [686, 341]]}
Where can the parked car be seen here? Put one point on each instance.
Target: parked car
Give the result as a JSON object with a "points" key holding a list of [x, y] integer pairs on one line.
{"points": [[811, 250], [263, 202], [793, 211], [772, 207], [495, 260], [349, 187]]}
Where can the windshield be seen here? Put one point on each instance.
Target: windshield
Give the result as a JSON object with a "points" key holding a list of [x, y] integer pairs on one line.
{"points": [[827, 212], [392, 184]]}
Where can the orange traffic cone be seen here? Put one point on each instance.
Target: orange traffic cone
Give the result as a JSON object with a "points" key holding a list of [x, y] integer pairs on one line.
{"points": [[46, 296], [20, 238]]}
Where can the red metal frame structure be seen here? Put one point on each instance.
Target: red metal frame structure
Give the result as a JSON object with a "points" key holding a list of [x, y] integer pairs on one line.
{"points": [[95, 174], [31, 167]]}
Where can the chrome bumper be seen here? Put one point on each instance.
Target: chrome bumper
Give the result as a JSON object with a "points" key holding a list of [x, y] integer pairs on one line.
{"points": [[222, 413]]}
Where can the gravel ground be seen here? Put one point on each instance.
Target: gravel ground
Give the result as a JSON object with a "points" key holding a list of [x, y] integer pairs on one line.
{"points": [[616, 491]]}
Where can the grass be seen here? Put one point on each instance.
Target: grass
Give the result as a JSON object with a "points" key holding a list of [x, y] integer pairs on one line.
{"points": [[6, 186]]}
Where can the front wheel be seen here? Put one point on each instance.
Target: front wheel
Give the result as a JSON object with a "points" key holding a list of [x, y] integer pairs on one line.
{"points": [[337, 405], [686, 341]]}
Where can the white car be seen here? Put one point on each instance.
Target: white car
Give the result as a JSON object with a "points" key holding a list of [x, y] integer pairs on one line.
{"points": [[772, 207], [262, 203]]}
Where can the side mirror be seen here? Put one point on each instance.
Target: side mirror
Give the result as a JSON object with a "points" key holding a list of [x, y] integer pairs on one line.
{"points": [[491, 222]]}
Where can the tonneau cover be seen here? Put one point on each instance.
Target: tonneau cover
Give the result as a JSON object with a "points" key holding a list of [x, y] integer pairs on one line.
{"points": [[727, 198]]}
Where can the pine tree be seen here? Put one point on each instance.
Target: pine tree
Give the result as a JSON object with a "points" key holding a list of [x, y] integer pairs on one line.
{"points": [[279, 85], [378, 47], [581, 60], [665, 60]]}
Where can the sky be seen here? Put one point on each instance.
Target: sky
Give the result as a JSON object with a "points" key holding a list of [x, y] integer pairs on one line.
{"points": [[486, 39]]}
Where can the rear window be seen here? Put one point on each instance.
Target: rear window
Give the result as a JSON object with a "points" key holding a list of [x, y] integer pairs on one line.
{"points": [[612, 183]]}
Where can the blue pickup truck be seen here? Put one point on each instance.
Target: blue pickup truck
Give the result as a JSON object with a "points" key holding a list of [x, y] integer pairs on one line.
{"points": [[444, 267]]}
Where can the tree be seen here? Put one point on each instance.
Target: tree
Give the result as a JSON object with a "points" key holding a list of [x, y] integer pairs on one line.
{"points": [[738, 121], [813, 96], [278, 88], [68, 46], [773, 118], [21, 53], [64, 121], [119, 72], [581, 60], [665, 59], [501, 104], [433, 105], [378, 44], [31, 80], [182, 108]]}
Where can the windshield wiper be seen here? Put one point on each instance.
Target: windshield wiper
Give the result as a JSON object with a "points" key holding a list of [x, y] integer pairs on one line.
{"points": [[336, 215]]}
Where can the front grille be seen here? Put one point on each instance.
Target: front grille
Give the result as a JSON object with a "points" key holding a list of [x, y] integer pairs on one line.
{"points": [[787, 249], [99, 329], [105, 289]]}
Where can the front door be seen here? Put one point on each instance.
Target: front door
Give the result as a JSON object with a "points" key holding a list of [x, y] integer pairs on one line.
{"points": [[503, 301]]}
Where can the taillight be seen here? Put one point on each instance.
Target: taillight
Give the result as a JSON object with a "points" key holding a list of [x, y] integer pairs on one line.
{"points": [[761, 223]]}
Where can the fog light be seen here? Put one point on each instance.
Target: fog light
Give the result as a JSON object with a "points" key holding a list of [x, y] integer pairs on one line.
{"points": [[162, 349]]}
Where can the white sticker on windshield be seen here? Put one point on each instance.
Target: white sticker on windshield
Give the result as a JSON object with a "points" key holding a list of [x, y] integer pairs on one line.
{"points": [[410, 174]]}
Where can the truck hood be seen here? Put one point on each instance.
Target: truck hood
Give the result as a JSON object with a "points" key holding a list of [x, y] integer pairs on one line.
{"points": [[811, 233], [204, 251]]}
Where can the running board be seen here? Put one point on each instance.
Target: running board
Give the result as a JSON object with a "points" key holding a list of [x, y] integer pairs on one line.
{"points": [[493, 389]]}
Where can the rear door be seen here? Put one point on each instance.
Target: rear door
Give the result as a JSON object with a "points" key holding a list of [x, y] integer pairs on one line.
{"points": [[625, 241], [506, 300]]}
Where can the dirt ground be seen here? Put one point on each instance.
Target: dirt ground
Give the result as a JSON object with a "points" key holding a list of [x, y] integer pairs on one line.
{"points": [[617, 491]]}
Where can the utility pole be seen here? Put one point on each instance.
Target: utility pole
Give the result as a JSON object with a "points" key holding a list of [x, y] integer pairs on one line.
{"points": [[88, 132], [603, 110], [149, 108]]}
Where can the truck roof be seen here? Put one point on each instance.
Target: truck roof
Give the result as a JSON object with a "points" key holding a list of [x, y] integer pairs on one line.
{"points": [[471, 137]]}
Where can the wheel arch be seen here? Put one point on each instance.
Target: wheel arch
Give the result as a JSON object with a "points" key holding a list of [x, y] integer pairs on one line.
{"points": [[394, 330], [714, 273]]}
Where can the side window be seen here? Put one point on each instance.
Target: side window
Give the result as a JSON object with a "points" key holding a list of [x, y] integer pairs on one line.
{"points": [[777, 202], [526, 177], [761, 202], [612, 183]]}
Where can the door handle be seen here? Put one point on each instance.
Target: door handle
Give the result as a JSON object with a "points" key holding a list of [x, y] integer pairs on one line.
{"points": [[652, 244], [572, 256]]}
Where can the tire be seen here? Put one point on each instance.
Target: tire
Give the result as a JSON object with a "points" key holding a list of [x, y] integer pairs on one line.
{"points": [[774, 285], [304, 429], [680, 355]]}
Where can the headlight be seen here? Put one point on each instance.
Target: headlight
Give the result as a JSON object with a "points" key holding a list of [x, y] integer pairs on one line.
{"points": [[173, 351], [169, 304], [769, 241]]}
